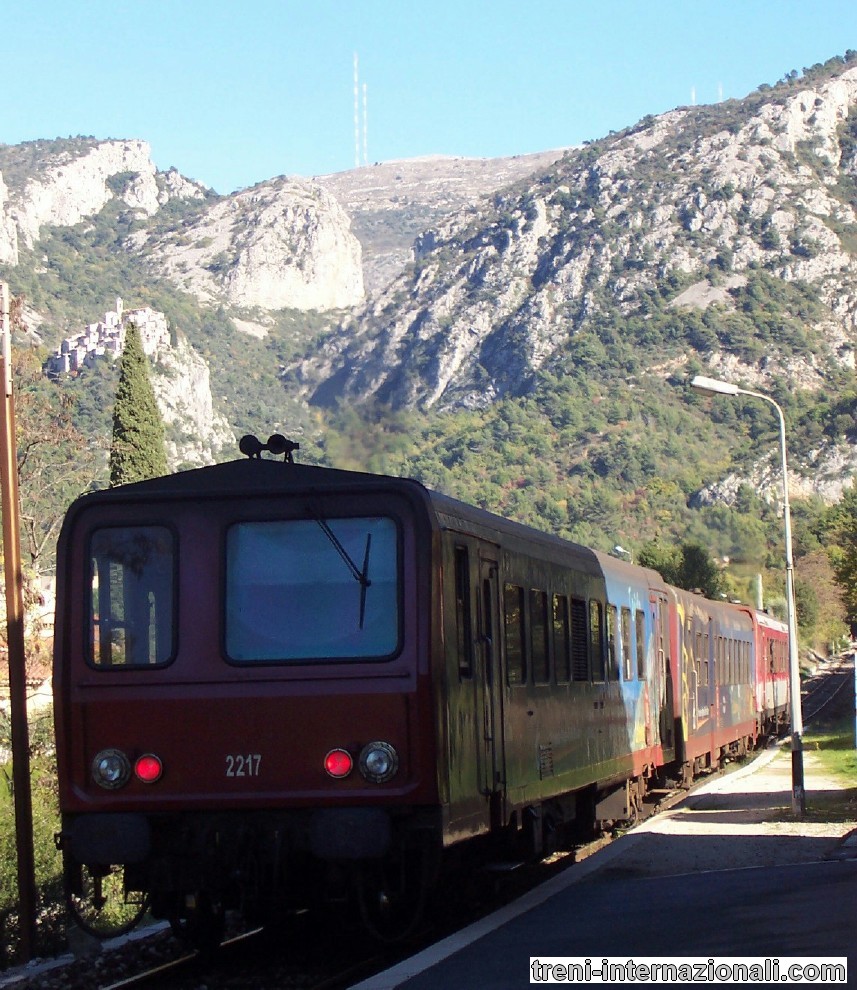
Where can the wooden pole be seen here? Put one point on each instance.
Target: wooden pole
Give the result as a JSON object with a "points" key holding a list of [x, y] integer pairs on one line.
{"points": [[14, 583]]}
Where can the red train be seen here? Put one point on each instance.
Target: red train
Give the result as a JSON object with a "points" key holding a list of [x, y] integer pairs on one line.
{"points": [[278, 686]]}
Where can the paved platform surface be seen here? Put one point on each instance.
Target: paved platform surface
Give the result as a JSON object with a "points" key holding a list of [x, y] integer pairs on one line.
{"points": [[727, 872]]}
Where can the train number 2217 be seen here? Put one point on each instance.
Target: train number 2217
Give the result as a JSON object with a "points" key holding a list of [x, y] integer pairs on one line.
{"points": [[243, 765]]}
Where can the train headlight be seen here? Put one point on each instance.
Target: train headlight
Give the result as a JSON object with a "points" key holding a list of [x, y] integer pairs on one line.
{"points": [[111, 769], [379, 761]]}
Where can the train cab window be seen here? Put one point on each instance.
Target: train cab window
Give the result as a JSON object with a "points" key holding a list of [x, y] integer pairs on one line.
{"points": [[596, 639], [627, 657], [539, 636], [312, 589], [640, 617], [131, 596], [516, 656], [561, 640], [463, 628], [612, 669], [579, 640]]}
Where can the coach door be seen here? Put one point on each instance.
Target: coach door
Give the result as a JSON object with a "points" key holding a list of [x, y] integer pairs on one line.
{"points": [[488, 618], [661, 631]]}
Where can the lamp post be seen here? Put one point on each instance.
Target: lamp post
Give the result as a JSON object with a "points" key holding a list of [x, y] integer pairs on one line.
{"points": [[713, 386]]}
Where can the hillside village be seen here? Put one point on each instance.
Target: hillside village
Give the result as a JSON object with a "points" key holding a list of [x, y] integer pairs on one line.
{"points": [[108, 337]]}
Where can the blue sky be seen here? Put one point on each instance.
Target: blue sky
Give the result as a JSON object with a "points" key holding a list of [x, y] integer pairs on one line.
{"points": [[232, 93]]}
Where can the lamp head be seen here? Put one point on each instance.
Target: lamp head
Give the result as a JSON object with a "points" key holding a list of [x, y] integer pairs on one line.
{"points": [[713, 386]]}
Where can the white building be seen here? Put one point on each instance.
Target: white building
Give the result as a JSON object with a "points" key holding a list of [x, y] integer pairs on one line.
{"points": [[108, 337]]}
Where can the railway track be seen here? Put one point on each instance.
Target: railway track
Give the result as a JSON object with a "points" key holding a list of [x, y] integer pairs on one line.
{"points": [[824, 687], [259, 960]]}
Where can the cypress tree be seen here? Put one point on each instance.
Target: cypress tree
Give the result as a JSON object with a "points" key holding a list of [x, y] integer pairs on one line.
{"points": [[137, 451]]}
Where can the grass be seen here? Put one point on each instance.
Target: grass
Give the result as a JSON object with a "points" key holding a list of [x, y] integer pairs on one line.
{"points": [[830, 743]]}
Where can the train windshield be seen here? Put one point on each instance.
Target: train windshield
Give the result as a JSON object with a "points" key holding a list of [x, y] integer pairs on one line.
{"points": [[312, 589], [131, 596]]}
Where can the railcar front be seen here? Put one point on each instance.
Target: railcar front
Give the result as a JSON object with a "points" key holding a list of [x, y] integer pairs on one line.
{"points": [[242, 699], [771, 674]]}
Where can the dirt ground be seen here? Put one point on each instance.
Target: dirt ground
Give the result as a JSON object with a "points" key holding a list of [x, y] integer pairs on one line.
{"points": [[743, 819]]}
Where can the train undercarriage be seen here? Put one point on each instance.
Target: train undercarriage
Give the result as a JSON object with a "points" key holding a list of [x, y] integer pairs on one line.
{"points": [[376, 867]]}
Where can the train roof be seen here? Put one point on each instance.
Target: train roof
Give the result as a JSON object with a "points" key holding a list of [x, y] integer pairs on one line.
{"points": [[258, 477], [243, 476]]}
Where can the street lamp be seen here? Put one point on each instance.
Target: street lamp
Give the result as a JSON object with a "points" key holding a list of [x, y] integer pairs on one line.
{"points": [[713, 386]]}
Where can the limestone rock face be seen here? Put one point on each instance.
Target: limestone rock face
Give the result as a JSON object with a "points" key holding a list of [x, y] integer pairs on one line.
{"points": [[8, 230], [283, 243], [196, 434], [64, 188], [827, 473]]}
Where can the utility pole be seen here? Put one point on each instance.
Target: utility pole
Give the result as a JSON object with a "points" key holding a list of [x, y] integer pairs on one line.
{"points": [[14, 583]]}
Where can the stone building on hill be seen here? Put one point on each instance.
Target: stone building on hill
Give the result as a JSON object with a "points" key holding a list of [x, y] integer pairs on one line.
{"points": [[108, 337]]}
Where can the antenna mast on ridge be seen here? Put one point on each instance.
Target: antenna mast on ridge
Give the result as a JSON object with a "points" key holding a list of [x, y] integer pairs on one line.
{"points": [[356, 113]]}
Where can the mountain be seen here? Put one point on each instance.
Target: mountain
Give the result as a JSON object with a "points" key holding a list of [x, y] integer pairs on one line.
{"points": [[518, 331], [676, 231], [391, 203]]}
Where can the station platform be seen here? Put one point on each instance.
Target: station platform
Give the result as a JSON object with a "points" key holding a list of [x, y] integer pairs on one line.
{"points": [[728, 872]]}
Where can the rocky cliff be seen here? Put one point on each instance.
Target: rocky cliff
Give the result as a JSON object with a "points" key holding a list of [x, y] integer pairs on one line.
{"points": [[615, 231], [391, 203], [283, 243], [63, 187], [197, 434]]}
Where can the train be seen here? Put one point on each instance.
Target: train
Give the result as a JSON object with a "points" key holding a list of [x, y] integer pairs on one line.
{"points": [[284, 687]]}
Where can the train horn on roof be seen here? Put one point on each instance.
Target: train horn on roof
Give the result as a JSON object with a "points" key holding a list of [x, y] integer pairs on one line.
{"points": [[277, 444]]}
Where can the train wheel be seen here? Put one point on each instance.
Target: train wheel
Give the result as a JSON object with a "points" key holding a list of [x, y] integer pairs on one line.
{"points": [[100, 904], [392, 894]]}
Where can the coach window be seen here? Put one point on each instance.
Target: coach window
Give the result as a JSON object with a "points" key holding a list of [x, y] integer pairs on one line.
{"points": [[131, 596], [539, 636], [640, 617], [627, 657], [612, 670], [516, 657], [463, 629], [561, 640], [596, 639], [579, 640]]}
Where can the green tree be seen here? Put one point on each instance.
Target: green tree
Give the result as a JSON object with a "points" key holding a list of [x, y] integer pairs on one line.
{"points": [[661, 557], [698, 572], [137, 451], [842, 549], [56, 462], [689, 566]]}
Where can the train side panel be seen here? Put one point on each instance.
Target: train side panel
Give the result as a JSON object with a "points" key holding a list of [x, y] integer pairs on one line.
{"points": [[714, 644]]}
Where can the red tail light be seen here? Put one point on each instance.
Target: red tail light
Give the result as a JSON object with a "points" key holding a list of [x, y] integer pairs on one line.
{"points": [[148, 768], [338, 763]]}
